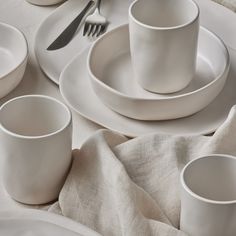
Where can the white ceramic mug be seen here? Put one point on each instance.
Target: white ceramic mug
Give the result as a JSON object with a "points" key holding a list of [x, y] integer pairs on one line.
{"points": [[208, 196], [44, 2], [35, 144], [163, 43]]}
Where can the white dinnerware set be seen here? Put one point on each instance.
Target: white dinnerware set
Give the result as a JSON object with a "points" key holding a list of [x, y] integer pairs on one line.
{"points": [[208, 196], [35, 130], [160, 66], [161, 52], [152, 72]]}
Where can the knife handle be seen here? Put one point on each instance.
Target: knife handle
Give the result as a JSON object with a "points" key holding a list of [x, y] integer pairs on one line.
{"points": [[65, 37], [71, 29]]}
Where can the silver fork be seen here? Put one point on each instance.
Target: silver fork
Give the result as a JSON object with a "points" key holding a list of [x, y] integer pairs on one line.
{"points": [[95, 24]]}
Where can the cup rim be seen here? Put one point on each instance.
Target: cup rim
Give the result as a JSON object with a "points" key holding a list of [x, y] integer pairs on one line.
{"points": [[67, 123], [164, 28], [196, 196]]}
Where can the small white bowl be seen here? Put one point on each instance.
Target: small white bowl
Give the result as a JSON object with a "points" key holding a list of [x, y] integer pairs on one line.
{"points": [[112, 78], [13, 58]]}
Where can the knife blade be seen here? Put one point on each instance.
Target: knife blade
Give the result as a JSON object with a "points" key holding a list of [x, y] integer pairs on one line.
{"points": [[65, 37]]}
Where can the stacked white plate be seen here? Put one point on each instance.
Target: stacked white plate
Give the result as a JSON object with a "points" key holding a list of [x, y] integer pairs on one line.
{"points": [[112, 78], [107, 96]]}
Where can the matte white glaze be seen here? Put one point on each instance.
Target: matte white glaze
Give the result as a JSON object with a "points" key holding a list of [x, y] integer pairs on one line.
{"points": [[112, 78], [163, 43], [213, 16], [35, 142], [208, 196]]}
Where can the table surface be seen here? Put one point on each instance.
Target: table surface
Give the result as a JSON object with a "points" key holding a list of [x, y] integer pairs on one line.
{"points": [[27, 18]]}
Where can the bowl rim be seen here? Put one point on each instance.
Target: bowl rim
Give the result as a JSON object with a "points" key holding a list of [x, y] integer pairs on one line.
{"points": [[67, 123], [163, 28], [120, 94], [25, 53], [195, 195]]}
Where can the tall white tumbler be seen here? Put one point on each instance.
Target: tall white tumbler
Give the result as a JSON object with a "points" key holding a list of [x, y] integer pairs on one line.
{"points": [[163, 43], [35, 144]]}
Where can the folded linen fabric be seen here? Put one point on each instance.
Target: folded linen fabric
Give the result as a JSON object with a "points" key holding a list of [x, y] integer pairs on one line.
{"points": [[231, 4], [118, 186]]}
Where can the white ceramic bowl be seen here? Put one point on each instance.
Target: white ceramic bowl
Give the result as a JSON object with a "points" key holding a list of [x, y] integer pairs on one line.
{"points": [[111, 74], [13, 58]]}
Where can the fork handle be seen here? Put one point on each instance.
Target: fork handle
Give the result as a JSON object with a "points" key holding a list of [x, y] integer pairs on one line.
{"points": [[98, 5], [79, 18]]}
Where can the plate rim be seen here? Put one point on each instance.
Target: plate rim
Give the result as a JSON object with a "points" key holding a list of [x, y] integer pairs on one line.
{"points": [[49, 217], [36, 49]]}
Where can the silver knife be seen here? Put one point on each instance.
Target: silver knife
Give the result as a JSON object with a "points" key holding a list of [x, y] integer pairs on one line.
{"points": [[65, 37]]}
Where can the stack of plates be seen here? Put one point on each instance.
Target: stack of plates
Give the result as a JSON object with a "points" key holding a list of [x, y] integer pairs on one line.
{"points": [[120, 101], [112, 78], [108, 94]]}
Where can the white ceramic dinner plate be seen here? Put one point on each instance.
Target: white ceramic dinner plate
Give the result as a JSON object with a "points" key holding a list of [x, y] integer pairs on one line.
{"points": [[40, 223], [217, 18], [52, 62], [113, 80], [77, 91]]}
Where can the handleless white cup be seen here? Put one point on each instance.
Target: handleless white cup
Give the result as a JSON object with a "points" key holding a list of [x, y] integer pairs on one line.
{"points": [[163, 43], [36, 144], [208, 196]]}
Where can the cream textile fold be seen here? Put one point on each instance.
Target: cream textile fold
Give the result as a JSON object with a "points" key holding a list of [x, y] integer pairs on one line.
{"points": [[118, 186], [231, 4]]}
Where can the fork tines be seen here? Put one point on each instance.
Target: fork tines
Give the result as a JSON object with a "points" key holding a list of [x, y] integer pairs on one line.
{"points": [[94, 29]]}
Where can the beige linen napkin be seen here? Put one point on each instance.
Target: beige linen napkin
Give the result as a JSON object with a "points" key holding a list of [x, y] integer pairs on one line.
{"points": [[118, 186], [231, 4]]}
